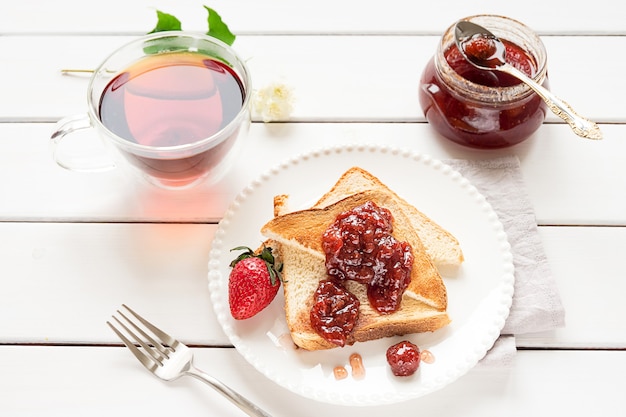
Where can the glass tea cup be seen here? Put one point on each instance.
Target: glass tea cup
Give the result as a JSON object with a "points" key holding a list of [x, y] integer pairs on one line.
{"points": [[173, 106]]}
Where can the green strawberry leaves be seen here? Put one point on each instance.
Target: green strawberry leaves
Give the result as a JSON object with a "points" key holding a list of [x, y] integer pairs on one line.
{"points": [[274, 270], [217, 28]]}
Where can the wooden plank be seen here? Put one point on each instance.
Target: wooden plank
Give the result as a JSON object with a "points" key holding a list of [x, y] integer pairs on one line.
{"points": [[161, 270], [569, 180], [62, 282], [105, 381], [323, 16], [334, 78]]}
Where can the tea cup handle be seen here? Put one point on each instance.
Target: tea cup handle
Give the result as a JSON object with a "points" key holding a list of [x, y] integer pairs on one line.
{"points": [[80, 161]]}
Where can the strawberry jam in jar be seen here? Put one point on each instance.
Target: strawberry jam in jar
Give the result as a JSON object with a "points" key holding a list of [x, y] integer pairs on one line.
{"points": [[485, 109]]}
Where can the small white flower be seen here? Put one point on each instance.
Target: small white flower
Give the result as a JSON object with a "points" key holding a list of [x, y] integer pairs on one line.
{"points": [[274, 102]]}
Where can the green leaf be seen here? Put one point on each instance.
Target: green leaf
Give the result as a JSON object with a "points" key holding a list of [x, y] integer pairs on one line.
{"points": [[217, 28], [166, 22], [247, 254]]}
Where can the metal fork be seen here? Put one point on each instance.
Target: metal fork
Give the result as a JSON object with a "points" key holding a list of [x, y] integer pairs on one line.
{"points": [[170, 359]]}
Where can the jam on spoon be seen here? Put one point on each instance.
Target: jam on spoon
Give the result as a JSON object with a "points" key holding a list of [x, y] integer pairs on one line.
{"points": [[486, 51]]}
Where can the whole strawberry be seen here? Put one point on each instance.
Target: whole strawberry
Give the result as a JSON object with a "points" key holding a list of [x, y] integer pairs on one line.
{"points": [[253, 282]]}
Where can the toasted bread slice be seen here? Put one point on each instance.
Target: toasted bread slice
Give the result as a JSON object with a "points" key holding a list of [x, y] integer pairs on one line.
{"points": [[299, 234], [441, 245]]}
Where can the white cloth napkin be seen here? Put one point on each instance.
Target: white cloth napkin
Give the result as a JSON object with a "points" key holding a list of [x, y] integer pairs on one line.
{"points": [[536, 302]]}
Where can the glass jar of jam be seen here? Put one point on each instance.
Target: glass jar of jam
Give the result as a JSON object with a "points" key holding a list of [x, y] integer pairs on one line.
{"points": [[482, 108]]}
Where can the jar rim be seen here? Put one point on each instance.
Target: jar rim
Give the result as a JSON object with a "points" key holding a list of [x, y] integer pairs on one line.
{"points": [[505, 28]]}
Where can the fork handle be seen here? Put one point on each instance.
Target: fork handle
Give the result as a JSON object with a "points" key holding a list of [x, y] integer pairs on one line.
{"points": [[243, 403]]}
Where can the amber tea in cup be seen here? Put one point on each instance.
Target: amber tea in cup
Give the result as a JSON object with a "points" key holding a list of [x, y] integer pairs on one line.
{"points": [[171, 104]]}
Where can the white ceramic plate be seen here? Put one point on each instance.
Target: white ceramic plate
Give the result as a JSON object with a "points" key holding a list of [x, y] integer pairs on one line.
{"points": [[479, 292]]}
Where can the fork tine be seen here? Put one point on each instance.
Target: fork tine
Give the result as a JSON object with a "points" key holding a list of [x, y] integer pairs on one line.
{"points": [[146, 360], [154, 352], [165, 338], [159, 352]]}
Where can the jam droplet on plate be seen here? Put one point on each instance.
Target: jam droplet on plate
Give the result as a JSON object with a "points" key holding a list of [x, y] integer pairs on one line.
{"points": [[356, 363], [427, 356], [403, 358], [340, 372]]}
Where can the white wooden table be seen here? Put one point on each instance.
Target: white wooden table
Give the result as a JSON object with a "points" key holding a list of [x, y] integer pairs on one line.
{"points": [[75, 246]]}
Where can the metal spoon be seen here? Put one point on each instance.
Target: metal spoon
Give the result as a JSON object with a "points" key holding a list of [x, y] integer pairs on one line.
{"points": [[493, 58]]}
